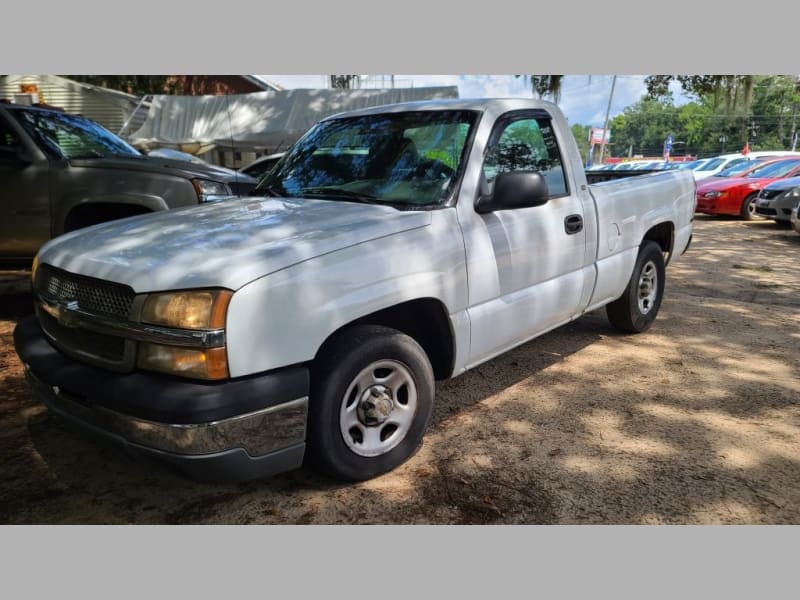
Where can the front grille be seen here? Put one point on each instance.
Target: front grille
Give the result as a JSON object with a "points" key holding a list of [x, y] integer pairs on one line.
{"points": [[761, 210], [769, 193], [81, 341], [92, 295]]}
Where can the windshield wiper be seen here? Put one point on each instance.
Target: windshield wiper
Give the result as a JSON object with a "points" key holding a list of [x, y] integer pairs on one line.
{"points": [[339, 193]]}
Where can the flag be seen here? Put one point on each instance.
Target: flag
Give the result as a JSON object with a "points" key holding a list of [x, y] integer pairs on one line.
{"points": [[746, 149]]}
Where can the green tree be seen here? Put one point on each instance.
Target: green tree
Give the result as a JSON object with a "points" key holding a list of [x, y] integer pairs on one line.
{"points": [[138, 85], [581, 135], [732, 90], [642, 128], [343, 81]]}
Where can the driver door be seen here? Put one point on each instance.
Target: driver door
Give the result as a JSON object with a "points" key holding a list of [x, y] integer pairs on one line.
{"points": [[527, 273], [24, 196]]}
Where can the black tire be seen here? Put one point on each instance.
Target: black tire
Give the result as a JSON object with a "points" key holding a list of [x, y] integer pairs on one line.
{"points": [[341, 362], [748, 210], [625, 313]]}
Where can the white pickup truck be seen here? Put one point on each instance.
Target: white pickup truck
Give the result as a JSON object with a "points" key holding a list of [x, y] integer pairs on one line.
{"points": [[390, 247]]}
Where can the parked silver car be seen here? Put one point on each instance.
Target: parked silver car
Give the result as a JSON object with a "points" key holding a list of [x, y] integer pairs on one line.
{"points": [[794, 219], [777, 200]]}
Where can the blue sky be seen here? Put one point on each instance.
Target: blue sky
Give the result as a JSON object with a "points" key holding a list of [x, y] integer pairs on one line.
{"points": [[583, 100]]}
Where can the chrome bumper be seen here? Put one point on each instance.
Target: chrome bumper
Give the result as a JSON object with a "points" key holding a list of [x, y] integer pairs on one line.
{"points": [[257, 433]]}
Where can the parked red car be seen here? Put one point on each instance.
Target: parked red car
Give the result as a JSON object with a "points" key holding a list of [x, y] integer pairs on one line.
{"points": [[736, 195]]}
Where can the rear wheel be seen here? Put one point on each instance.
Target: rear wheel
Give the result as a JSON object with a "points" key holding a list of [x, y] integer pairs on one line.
{"points": [[636, 309], [372, 398], [748, 210]]}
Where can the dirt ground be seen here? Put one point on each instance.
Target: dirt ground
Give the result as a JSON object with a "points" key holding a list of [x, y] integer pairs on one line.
{"points": [[695, 421]]}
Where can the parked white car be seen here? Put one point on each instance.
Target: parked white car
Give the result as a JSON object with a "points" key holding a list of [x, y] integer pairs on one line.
{"points": [[396, 245], [714, 165]]}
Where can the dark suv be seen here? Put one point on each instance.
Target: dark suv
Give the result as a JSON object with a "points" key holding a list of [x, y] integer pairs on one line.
{"points": [[60, 172]]}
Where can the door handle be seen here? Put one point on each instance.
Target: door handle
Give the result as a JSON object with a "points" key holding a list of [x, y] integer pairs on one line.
{"points": [[573, 224]]}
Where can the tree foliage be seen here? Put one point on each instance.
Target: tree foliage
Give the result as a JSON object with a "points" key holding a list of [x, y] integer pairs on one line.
{"points": [[734, 91], [727, 112], [139, 85], [581, 135], [343, 81]]}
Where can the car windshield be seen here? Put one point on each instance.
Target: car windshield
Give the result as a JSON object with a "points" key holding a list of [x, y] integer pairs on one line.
{"points": [[710, 165], [689, 165], [776, 169], [406, 159], [736, 169], [61, 135]]}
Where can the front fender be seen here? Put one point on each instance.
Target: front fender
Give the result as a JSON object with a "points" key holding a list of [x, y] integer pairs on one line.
{"points": [[283, 318]]}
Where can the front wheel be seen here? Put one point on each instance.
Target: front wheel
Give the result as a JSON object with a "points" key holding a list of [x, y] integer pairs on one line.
{"points": [[636, 309], [748, 210], [371, 401]]}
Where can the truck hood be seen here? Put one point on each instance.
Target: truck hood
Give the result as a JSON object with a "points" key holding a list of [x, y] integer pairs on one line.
{"points": [[226, 245]]}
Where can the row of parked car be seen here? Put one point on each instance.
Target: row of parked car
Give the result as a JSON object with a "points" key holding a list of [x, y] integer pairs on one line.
{"points": [[758, 184]]}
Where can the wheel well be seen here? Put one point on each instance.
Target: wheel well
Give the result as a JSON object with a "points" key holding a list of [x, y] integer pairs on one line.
{"points": [[93, 213], [662, 234], [425, 320]]}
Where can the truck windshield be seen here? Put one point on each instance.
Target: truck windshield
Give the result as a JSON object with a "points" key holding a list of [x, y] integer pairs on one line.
{"points": [[61, 135], [406, 159]]}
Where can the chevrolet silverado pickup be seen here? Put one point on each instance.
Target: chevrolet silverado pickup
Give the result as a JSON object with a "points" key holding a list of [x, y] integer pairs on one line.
{"points": [[60, 172], [389, 248]]}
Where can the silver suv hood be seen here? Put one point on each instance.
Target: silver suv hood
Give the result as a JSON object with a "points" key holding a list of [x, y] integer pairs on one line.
{"points": [[222, 245]]}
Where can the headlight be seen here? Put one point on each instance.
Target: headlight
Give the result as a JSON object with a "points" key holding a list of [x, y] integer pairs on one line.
{"points": [[204, 309], [206, 363], [211, 191], [199, 309], [34, 268], [714, 194], [795, 193]]}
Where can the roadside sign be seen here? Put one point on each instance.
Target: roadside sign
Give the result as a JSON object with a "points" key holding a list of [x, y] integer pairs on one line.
{"points": [[596, 135]]}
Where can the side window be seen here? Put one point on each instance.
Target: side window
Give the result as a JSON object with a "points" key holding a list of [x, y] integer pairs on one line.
{"points": [[8, 139], [527, 144]]}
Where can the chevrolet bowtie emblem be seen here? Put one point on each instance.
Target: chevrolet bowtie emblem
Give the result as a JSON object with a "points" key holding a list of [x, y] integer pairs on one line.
{"points": [[66, 316], [63, 313]]}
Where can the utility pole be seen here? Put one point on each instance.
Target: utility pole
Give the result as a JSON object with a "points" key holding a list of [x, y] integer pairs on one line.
{"points": [[605, 125]]}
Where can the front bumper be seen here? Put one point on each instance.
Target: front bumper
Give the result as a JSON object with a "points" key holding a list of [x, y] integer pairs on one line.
{"points": [[779, 209], [236, 430], [715, 206], [795, 219]]}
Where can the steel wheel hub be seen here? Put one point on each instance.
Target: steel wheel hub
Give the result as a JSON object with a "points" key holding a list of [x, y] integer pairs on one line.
{"points": [[648, 287], [378, 408], [375, 406]]}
